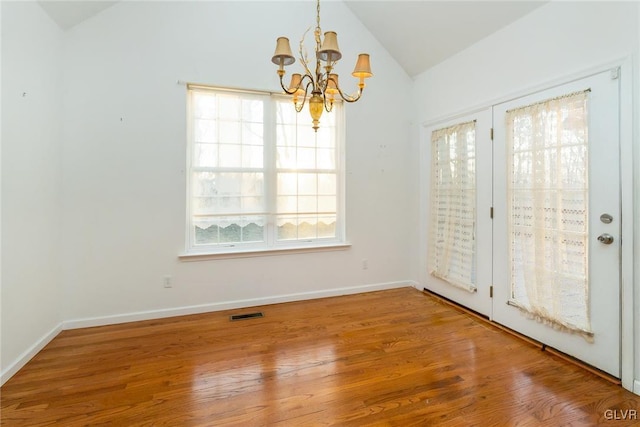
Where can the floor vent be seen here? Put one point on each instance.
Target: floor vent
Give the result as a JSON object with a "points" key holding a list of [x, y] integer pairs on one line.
{"points": [[235, 317]]}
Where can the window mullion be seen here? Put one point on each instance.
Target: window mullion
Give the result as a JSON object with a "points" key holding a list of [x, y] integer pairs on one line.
{"points": [[189, 229], [341, 169]]}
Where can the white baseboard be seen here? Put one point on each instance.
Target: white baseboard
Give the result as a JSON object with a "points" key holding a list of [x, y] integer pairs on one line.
{"points": [[228, 305], [181, 311], [636, 387], [25, 357]]}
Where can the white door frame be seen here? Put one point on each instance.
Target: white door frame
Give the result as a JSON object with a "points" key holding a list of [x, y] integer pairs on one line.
{"points": [[628, 334]]}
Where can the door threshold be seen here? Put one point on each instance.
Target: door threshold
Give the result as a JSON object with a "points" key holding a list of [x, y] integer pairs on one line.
{"points": [[541, 346]]}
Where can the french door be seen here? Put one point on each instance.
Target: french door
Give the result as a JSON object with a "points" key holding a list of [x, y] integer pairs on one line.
{"points": [[557, 219], [458, 223], [546, 236]]}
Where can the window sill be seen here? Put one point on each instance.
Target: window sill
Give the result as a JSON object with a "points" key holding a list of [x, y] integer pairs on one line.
{"points": [[204, 256]]}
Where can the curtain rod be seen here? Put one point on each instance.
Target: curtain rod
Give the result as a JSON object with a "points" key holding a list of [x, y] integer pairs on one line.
{"points": [[568, 95], [190, 85]]}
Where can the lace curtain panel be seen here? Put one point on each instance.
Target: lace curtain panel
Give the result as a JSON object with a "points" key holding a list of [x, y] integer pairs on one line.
{"points": [[452, 245], [548, 200]]}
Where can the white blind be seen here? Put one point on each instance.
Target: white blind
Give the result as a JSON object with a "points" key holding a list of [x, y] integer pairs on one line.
{"points": [[452, 245], [547, 198]]}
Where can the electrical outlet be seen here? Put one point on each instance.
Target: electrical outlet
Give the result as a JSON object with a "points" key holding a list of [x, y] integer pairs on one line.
{"points": [[365, 264], [166, 281]]}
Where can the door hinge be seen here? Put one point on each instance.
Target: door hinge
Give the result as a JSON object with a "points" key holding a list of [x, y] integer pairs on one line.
{"points": [[491, 133], [615, 73], [491, 291], [491, 212]]}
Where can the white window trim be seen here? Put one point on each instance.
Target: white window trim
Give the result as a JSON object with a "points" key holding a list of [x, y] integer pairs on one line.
{"points": [[269, 247], [248, 253]]}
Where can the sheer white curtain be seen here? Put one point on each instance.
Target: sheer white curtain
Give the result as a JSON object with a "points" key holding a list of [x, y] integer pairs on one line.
{"points": [[548, 199], [452, 245]]}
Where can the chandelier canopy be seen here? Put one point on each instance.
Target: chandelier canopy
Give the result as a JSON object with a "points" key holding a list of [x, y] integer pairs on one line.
{"points": [[322, 84]]}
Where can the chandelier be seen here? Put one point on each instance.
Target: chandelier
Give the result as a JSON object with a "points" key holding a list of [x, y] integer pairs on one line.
{"points": [[322, 84]]}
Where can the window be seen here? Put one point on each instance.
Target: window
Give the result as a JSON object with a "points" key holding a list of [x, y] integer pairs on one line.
{"points": [[452, 245], [259, 177]]}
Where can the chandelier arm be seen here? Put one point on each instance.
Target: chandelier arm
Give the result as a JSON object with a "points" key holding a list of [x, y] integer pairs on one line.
{"points": [[329, 108], [306, 91], [325, 84], [306, 76], [287, 91], [350, 98], [311, 83], [299, 109]]}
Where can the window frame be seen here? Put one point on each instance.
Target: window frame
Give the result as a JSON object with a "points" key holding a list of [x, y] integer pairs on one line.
{"points": [[271, 244]]}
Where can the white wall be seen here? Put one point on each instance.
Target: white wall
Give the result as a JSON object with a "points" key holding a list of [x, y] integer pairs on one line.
{"points": [[557, 40], [636, 161], [31, 178], [124, 158]]}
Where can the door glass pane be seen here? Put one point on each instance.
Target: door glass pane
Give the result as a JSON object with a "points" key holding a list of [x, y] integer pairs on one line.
{"points": [[452, 245], [548, 210]]}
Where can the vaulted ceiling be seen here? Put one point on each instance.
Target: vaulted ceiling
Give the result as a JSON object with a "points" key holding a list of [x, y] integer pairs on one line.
{"points": [[418, 33], [69, 13]]}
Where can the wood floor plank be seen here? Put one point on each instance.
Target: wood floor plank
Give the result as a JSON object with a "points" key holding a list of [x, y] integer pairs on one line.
{"points": [[396, 357]]}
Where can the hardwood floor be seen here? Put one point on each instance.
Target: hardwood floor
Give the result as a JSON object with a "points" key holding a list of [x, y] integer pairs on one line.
{"points": [[397, 357]]}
